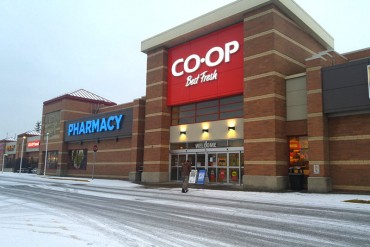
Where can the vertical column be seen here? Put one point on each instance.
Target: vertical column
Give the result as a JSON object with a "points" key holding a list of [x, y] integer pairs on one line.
{"points": [[319, 179], [274, 47], [157, 119], [62, 166], [265, 144], [137, 141], [62, 147]]}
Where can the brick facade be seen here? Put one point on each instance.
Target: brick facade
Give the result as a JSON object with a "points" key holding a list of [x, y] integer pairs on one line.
{"points": [[116, 157], [275, 47], [349, 154]]}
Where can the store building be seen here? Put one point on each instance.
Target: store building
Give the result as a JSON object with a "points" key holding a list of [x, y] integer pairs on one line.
{"points": [[30, 141], [22, 150], [87, 135], [7, 153], [248, 91]]}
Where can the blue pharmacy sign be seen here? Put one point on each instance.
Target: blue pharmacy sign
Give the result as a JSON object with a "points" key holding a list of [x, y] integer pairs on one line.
{"points": [[100, 126], [201, 176]]}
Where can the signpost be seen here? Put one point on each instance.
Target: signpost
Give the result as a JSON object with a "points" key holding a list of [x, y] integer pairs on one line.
{"points": [[95, 149]]}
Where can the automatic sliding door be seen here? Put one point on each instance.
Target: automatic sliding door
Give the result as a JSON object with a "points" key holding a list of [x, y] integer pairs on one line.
{"points": [[200, 161], [212, 167], [174, 167], [234, 168], [191, 158], [176, 161], [222, 168]]}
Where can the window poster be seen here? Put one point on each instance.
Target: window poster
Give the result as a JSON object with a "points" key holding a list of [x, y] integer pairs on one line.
{"points": [[193, 176]]}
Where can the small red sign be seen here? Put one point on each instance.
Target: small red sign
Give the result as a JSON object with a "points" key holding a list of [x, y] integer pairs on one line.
{"points": [[95, 148], [33, 144]]}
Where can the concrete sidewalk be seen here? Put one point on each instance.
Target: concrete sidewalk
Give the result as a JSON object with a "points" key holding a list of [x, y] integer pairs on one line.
{"points": [[210, 186]]}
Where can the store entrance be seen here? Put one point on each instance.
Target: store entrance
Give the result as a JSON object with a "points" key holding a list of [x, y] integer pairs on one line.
{"points": [[225, 167], [222, 166]]}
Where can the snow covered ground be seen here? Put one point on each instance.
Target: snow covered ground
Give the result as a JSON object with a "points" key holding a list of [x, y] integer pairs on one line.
{"points": [[24, 223]]}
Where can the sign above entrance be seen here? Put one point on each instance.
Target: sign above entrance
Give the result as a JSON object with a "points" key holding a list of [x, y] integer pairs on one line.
{"points": [[206, 145], [207, 67]]}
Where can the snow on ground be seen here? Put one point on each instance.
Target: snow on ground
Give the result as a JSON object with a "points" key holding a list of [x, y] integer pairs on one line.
{"points": [[23, 222], [28, 224]]}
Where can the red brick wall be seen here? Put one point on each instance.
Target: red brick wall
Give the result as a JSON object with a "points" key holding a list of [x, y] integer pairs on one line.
{"points": [[349, 152], [357, 54], [274, 48], [157, 113]]}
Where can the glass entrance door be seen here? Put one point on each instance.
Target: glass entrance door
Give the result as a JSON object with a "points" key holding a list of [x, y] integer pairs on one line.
{"points": [[221, 167], [225, 167], [222, 170], [176, 161], [234, 168], [217, 167], [200, 161], [212, 167], [191, 158]]}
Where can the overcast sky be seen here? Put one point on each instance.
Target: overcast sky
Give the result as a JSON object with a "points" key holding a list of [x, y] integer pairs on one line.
{"points": [[49, 48]]}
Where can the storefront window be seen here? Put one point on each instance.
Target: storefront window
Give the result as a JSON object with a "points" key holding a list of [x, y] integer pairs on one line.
{"points": [[298, 152], [52, 160], [222, 168], [211, 110], [200, 161], [77, 159], [234, 164], [231, 107]]}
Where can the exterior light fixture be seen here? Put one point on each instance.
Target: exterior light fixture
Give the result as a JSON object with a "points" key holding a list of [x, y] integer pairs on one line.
{"points": [[231, 128], [205, 130], [182, 132]]}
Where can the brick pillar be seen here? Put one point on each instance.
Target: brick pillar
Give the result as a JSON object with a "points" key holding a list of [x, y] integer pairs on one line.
{"points": [[319, 179], [157, 120], [265, 143], [274, 47], [137, 141], [63, 157]]}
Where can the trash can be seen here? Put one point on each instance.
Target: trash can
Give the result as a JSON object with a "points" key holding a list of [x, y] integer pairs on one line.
{"points": [[296, 178]]}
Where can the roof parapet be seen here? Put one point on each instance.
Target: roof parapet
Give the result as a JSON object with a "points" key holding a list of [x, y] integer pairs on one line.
{"points": [[231, 14]]}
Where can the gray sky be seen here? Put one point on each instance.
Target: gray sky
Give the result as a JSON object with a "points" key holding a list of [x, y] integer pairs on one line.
{"points": [[52, 47]]}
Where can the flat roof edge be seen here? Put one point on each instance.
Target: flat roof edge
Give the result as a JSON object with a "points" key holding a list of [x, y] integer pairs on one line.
{"points": [[231, 14], [223, 15], [303, 19]]}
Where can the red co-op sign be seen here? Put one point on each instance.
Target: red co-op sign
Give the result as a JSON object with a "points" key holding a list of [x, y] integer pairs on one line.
{"points": [[208, 67]]}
